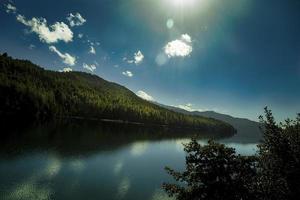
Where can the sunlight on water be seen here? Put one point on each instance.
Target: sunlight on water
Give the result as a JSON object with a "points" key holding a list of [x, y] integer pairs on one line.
{"points": [[123, 187], [112, 168], [139, 148], [53, 167], [28, 191], [244, 149], [160, 195], [77, 165], [118, 167], [31, 188]]}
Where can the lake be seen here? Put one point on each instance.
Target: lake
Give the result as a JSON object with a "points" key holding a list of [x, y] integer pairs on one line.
{"points": [[92, 161]]}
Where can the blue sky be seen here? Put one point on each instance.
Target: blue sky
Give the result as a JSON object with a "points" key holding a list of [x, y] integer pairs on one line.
{"points": [[233, 56]]}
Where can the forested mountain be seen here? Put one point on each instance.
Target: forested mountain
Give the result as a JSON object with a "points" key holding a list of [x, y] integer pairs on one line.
{"points": [[30, 92], [247, 130]]}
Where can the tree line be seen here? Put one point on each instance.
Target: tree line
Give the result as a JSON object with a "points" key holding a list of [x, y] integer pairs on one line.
{"points": [[30, 92], [214, 171]]}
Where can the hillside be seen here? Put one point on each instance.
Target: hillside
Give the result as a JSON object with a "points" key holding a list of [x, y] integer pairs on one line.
{"points": [[30, 92], [247, 130]]}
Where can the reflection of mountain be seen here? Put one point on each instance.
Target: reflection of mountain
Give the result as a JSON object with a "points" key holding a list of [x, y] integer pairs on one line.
{"points": [[27, 91], [78, 137], [247, 131]]}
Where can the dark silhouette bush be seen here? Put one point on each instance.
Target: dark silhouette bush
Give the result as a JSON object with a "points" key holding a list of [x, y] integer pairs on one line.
{"points": [[214, 171]]}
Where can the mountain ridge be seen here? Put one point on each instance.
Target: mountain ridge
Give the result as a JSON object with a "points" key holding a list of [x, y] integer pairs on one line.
{"points": [[31, 92], [247, 130]]}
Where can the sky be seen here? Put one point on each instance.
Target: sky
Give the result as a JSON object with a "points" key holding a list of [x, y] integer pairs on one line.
{"points": [[233, 57]]}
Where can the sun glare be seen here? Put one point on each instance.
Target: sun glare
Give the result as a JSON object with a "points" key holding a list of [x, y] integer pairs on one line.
{"points": [[182, 3]]}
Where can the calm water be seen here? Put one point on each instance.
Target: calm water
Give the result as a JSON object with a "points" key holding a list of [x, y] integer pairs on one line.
{"points": [[87, 161]]}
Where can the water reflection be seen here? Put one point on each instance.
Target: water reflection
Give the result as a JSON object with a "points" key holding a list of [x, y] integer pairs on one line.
{"points": [[123, 187], [83, 138], [118, 167], [160, 195], [92, 161], [77, 165], [138, 148]]}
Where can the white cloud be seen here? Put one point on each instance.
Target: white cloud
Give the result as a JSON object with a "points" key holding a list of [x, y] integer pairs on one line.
{"points": [[144, 95], [76, 19], [128, 73], [52, 34], [11, 9], [80, 35], [187, 107], [67, 58], [66, 69], [186, 37], [138, 57], [91, 67], [180, 47], [92, 50]]}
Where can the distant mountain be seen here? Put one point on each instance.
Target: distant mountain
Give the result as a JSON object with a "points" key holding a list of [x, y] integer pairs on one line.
{"points": [[29, 92], [247, 130]]}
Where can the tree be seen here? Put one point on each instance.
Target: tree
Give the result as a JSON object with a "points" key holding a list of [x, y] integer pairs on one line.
{"points": [[279, 158], [213, 171], [27, 89]]}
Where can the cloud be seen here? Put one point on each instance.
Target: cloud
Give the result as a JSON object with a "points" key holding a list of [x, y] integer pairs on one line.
{"points": [[128, 73], [179, 47], [144, 95], [66, 69], [138, 57], [186, 38], [92, 50], [130, 61], [76, 19], [52, 34], [11, 9], [91, 67], [187, 107], [67, 58], [80, 35]]}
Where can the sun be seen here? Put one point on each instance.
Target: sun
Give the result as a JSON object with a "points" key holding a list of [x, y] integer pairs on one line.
{"points": [[182, 3]]}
